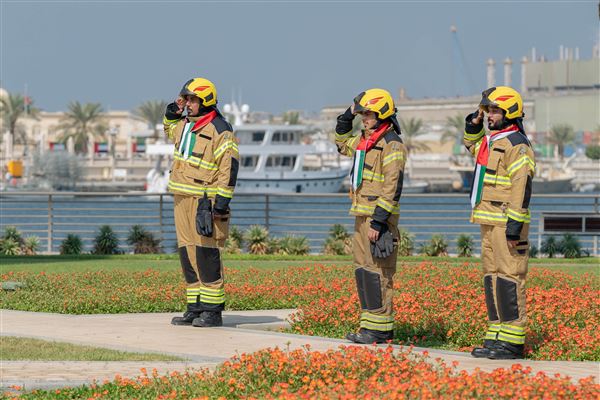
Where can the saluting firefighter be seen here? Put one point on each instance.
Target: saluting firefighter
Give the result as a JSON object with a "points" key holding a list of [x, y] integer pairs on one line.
{"points": [[376, 177], [203, 176], [500, 197]]}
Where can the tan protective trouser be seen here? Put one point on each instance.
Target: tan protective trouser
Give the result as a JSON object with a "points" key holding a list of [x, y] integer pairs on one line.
{"points": [[200, 256], [374, 276], [505, 273]]}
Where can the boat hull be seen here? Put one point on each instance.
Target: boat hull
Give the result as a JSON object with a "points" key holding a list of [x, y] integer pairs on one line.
{"points": [[321, 183]]}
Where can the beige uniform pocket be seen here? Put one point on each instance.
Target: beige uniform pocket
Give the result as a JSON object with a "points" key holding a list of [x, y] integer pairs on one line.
{"points": [[221, 227]]}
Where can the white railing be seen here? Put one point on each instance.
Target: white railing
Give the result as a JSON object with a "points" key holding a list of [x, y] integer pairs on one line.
{"points": [[51, 216]]}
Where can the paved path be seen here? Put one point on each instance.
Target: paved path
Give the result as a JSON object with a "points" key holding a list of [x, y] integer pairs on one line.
{"points": [[243, 332]]}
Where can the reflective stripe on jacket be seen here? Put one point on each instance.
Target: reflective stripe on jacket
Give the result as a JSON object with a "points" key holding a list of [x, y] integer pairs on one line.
{"points": [[507, 183], [383, 175], [213, 164]]}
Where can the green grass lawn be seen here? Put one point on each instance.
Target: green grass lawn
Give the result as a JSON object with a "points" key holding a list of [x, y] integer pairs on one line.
{"points": [[165, 262], [18, 348]]}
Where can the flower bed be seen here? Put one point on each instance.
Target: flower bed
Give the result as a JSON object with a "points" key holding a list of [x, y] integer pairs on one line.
{"points": [[347, 373], [436, 305]]}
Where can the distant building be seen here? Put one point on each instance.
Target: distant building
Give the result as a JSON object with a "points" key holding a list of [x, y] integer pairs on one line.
{"points": [[563, 91]]}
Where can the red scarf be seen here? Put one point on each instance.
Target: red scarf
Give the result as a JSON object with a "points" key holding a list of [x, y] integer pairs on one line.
{"points": [[483, 156], [367, 144], [204, 120], [356, 174]]}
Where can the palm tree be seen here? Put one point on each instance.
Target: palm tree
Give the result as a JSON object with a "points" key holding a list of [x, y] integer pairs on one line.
{"points": [[83, 122], [561, 135], [291, 118], [454, 128], [152, 111], [411, 129], [13, 108]]}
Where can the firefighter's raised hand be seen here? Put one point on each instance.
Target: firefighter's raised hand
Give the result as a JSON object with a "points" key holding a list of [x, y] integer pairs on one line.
{"points": [[180, 102], [477, 118], [175, 109]]}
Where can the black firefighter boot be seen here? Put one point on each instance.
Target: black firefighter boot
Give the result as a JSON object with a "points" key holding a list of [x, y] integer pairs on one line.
{"points": [[369, 336], [187, 318], [193, 312], [209, 319], [484, 352], [506, 351]]}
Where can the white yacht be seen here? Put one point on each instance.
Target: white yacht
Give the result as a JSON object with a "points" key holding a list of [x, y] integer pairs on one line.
{"points": [[273, 159], [284, 159]]}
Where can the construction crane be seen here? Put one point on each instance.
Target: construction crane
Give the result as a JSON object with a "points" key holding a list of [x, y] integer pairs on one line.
{"points": [[462, 76]]}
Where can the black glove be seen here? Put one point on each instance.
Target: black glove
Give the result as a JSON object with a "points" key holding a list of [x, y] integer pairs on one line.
{"points": [[384, 245], [172, 112], [344, 122], [469, 118], [204, 217]]}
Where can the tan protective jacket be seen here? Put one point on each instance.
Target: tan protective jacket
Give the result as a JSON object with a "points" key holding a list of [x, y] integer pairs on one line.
{"points": [[383, 174], [507, 183], [213, 165]]}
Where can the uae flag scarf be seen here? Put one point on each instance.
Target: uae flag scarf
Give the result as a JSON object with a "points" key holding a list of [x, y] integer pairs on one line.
{"points": [[482, 161], [188, 139], [356, 175]]}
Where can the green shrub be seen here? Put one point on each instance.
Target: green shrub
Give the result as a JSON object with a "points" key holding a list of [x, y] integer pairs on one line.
{"points": [[106, 241], [464, 245], [550, 247], [334, 247], [274, 246], [256, 238], [30, 245], [294, 245], [592, 152], [533, 251], [143, 242], [9, 247], [71, 245], [437, 247], [11, 232], [12, 242], [406, 243], [570, 247], [235, 241], [136, 234], [338, 232], [339, 241]]}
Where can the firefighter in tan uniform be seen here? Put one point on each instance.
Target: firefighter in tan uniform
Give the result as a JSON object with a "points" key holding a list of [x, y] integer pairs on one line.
{"points": [[500, 197], [377, 174], [203, 177]]}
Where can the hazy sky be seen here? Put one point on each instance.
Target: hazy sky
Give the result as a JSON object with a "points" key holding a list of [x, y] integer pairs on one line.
{"points": [[281, 55]]}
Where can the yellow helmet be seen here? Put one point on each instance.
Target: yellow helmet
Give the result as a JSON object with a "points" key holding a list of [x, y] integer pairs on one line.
{"points": [[202, 88], [377, 100], [504, 97]]}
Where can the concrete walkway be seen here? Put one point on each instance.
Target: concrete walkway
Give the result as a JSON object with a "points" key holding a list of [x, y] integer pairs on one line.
{"points": [[243, 332]]}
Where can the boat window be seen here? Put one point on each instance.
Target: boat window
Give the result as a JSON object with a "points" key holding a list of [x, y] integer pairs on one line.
{"points": [[258, 136], [249, 161], [281, 162], [250, 137], [284, 137]]}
